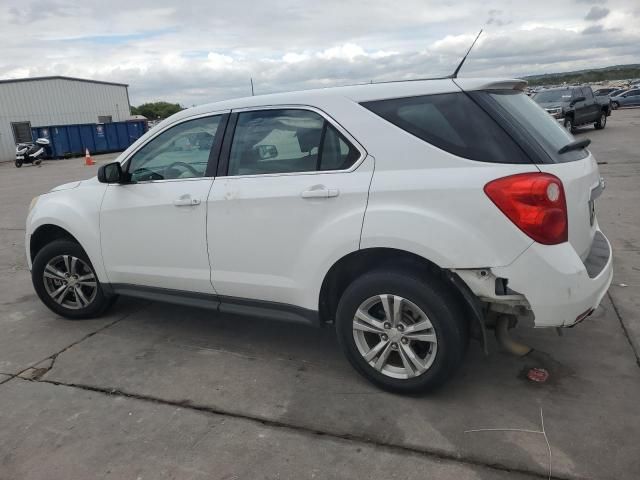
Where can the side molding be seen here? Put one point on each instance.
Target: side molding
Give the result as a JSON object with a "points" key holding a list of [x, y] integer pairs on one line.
{"points": [[228, 305]]}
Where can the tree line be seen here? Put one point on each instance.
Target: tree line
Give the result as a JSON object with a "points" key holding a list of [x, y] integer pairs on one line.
{"points": [[156, 110], [618, 72]]}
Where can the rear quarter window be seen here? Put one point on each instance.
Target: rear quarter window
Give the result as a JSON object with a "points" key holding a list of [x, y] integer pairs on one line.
{"points": [[452, 122], [531, 121]]}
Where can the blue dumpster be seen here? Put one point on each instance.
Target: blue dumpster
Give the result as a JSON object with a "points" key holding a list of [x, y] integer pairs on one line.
{"points": [[72, 140]]}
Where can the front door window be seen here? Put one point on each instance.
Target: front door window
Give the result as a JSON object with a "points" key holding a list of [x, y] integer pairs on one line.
{"points": [[178, 153]]}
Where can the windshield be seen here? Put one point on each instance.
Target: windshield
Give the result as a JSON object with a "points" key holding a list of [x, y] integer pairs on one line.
{"points": [[538, 123], [562, 95]]}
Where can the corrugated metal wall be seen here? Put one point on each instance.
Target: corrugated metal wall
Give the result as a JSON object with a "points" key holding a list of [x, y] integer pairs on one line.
{"points": [[56, 102]]}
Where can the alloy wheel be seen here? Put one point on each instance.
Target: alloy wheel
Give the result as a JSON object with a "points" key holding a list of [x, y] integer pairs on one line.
{"points": [[70, 282], [394, 336], [568, 125]]}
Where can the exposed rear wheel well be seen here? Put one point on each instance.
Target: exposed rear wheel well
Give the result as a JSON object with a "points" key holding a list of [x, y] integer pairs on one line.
{"points": [[351, 266], [46, 234]]}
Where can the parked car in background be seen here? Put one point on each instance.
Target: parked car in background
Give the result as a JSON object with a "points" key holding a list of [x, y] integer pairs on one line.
{"points": [[603, 91], [616, 92], [409, 216], [629, 98], [575, 106]]}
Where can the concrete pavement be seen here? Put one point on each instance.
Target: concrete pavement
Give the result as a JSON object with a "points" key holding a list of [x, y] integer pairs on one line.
{"points": [[158, 391]]}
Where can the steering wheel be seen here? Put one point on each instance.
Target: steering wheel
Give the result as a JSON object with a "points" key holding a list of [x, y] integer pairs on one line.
{"points": [[181, 164]]}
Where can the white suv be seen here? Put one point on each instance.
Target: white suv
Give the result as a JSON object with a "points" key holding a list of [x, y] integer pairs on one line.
{"points": [[412, 215]]}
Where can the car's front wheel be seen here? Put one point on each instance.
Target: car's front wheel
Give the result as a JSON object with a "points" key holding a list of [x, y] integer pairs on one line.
{"points": [[568, 124], [66, 282], [615, 105], [401, 331]]}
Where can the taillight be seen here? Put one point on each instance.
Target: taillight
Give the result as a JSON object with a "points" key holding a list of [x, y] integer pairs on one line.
{"points": [[535, 202]]}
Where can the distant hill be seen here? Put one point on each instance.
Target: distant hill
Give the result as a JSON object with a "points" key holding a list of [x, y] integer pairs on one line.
{"points": [[615, 72]]}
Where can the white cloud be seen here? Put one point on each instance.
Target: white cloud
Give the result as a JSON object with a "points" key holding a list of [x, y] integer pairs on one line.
{"points": [[293, 57], [218, 61], [348, 51]]}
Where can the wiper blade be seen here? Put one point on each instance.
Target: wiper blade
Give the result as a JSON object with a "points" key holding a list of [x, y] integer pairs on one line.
{"points": [[577, 145]]}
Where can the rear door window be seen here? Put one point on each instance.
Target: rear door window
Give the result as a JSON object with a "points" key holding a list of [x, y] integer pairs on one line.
{"points": [[287, 141], [452, 122], [337, 153]]}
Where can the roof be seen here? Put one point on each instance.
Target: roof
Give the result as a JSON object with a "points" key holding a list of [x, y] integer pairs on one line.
{"points": [[357, 93], [59, 77]]}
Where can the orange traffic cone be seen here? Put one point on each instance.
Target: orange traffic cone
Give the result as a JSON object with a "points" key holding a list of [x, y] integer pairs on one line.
{"points": [[87, 158]]}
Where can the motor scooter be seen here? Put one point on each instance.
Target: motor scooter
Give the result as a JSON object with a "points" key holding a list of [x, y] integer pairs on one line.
{"points": [[33, 152]]}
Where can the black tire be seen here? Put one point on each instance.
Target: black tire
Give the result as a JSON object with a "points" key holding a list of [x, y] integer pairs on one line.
{"points": [[98, 304], [602, 121], [434, 299], [18, 163], [615, 105], [568, 124]]}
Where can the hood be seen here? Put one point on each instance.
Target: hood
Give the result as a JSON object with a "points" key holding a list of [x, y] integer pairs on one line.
{"points": [[552, 104], [90, 181], [70, 185], [65, 186]]}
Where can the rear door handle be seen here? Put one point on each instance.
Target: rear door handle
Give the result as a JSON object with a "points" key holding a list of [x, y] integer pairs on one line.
{"points": [[186, 201], [320, 193]]}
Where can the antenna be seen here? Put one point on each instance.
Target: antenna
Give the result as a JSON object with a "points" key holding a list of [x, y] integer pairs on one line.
{"points": [[455, 72], [252, 94]]}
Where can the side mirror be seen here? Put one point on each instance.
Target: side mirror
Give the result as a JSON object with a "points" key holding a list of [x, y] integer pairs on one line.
{"points": [[110, 173], [577, 99], [265, 152]]}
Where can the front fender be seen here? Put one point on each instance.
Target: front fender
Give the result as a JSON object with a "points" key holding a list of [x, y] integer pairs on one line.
{"points": [[76, 211]]}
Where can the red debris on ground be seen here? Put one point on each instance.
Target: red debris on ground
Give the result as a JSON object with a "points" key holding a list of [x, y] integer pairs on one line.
{"points": [[538, 375]]}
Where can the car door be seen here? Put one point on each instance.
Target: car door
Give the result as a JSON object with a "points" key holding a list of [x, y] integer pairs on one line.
{"points": [[578, 106], [592, 106], [632, 98], [153, 228], [290, 194]]}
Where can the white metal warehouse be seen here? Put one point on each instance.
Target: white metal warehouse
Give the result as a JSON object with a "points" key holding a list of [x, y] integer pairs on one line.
{"points": [[45, 101]]}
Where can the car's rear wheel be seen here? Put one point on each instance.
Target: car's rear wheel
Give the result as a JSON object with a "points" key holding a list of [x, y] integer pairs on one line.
{"points": [[602, 121], [66, 282], [400, 331]]}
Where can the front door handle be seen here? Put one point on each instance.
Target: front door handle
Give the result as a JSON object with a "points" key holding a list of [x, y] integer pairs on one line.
{"points": [[320, 193], [186, 201]]}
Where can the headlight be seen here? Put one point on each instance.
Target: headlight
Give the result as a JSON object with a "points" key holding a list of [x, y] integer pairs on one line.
{"points": [[555, 112], [34, 200]]}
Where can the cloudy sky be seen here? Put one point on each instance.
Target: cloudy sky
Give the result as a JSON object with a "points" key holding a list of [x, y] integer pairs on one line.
{"points": [[197, 51]]}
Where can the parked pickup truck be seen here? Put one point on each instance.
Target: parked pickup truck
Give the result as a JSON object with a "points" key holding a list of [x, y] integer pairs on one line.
{"points": [[574, 106]]}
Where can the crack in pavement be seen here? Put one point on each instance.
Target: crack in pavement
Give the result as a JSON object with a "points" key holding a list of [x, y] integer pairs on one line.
{"points": [[406, 450], [34, 373], [624, 329]]}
